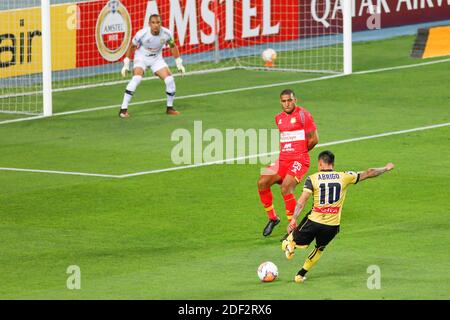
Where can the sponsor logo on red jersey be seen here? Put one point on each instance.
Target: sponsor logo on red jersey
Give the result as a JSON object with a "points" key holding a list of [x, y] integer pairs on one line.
{"points": [[293, 142]]}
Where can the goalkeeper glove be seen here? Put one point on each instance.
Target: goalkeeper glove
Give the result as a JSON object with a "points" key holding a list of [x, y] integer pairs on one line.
{"points": [[180, 67], [126, 66]]}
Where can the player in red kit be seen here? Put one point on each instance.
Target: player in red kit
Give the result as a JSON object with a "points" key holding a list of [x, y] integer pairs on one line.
{"points": [[298, 135]]}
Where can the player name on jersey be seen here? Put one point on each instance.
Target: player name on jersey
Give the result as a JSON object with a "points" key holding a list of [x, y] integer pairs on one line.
{"points": [[328, 176]]}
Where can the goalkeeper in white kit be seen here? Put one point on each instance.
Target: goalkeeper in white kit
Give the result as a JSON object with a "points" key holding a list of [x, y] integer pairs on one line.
{"points": [[147, 45]]}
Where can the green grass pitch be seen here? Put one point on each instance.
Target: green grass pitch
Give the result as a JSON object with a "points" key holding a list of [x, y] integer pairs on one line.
{"points": [[197, 233]]}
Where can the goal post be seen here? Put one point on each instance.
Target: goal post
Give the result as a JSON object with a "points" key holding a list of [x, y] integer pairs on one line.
{"points": [[52, 46], [46, 58], [347, 36]]}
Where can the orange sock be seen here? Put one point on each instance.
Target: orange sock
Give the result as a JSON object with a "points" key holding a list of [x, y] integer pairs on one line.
{"points": [[289, 202], [266, 199]]}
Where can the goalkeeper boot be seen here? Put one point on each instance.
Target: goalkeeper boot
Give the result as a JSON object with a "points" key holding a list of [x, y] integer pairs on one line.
{"points": [[288, 246], [269, 227], [172, 112], [123, 113]]}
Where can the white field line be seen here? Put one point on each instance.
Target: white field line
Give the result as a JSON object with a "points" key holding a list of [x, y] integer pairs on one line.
{"points": [[151, 78], [276, 152], [23, 119], [278, 84], [62, 172], [205, 94], [111, 83], [407, 66], [223, 161]]}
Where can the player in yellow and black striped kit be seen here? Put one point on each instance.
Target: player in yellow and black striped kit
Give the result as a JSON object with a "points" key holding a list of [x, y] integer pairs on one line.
{"points": [[329, 188]]}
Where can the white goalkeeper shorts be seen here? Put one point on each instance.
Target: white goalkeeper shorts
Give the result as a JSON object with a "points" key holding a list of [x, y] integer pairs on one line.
{"points": [[145, 62]]}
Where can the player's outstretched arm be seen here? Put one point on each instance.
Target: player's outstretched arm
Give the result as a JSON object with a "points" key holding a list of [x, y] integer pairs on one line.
{"points": [[313, 139], [375, 172], [298, 209]]}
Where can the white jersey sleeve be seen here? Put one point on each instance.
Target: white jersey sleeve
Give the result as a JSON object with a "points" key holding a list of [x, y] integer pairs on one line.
{"points": [[137, 40], [168, 36]]}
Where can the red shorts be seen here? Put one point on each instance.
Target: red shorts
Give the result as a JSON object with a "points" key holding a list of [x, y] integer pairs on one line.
{"points": [[295, 168]]}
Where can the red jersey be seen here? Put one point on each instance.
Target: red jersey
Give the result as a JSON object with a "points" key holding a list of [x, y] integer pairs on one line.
{"points": [[294, 128]]}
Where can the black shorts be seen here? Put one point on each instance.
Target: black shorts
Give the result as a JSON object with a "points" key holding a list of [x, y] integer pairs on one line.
{"points": [[304, 234]]}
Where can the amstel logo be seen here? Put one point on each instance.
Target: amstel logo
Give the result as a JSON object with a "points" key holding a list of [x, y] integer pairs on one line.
{"points": [[113, 31]]}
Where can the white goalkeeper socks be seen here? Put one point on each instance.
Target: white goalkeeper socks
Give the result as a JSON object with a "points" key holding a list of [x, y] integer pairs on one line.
{"points": [[136, 80], [170, 90], [131, 88]]}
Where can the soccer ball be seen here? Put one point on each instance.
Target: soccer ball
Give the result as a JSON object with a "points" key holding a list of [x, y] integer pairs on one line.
{"points": [[269, 55], [267, 271]]}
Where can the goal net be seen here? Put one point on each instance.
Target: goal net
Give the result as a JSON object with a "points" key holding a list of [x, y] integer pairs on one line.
{"points": [[87, 41]]}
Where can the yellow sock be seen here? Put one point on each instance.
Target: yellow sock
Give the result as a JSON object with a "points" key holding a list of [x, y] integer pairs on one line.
{"points": [[312, 259]]}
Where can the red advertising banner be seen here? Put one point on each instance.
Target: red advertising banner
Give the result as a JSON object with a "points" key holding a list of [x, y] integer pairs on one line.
{"points": [[106, 27], [401, 12], [367, 14], [96, 44], [324, 16]]}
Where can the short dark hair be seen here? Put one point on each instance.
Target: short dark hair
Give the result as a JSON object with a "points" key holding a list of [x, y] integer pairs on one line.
{"points": [[287, 92], [153, 15], [327, 156]]}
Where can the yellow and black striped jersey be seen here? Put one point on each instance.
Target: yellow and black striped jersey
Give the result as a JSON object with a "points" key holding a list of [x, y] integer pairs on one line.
{"points": [[329, 189]]}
